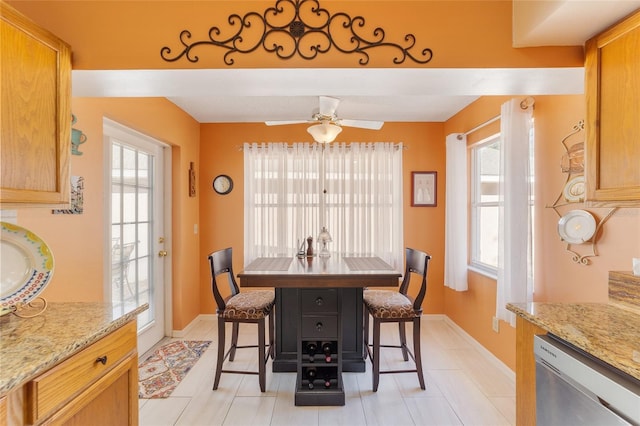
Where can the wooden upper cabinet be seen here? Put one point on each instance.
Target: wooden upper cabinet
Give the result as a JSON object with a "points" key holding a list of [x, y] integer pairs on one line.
{"points": [[612, 66], [35, 106]]}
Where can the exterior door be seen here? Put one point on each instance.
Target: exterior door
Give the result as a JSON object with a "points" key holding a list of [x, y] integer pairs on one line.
{"points": [[136, 229]]}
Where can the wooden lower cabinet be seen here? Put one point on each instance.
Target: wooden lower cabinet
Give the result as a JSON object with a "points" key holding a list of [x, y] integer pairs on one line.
{"points": [[3, 410], [525, 372], [96, 386], [113, 400]]}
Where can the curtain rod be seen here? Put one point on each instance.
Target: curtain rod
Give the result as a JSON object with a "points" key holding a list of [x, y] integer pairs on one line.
{"points": [[524, 104], [480, 126], [241, 148]]}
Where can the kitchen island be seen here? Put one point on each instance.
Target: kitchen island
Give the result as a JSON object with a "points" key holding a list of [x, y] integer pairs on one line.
{"points": [[66, 364], [319, 304]]}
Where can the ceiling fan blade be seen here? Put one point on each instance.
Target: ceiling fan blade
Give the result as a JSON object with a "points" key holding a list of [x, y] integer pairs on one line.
{"points": [[363, 124], [279, 123], [328, 106]]}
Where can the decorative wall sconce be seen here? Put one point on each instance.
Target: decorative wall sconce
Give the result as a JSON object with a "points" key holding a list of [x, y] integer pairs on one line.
{"points": [[297, 27], [576, 227]]}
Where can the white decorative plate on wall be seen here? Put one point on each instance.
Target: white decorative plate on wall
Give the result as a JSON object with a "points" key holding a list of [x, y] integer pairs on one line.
{"points": [[27, 266], [577, 227], [574, 190]]}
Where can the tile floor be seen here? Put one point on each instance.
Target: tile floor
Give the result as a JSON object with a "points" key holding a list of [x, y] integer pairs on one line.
{"points": [[464, 387]]}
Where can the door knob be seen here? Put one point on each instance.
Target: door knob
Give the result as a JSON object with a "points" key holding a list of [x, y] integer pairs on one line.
{"points": [[162, 253]]}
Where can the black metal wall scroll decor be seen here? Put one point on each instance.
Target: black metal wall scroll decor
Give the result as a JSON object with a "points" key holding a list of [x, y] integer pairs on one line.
{"points": [[297, 27]]}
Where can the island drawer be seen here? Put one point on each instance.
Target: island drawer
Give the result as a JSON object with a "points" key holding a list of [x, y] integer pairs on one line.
{"points": [[319, 327], [50, 390], [315, 300]]}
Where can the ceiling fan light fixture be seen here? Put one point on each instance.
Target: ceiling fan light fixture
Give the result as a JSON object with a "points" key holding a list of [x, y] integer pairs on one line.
{"points": [[324, 132]]}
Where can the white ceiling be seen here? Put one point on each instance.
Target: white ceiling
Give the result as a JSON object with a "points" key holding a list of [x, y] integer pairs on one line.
{"points": [[403, 94], [565, 22]]}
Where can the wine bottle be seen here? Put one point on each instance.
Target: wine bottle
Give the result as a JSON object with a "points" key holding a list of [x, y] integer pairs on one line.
{"points": [[327, 382], [312, 348], [326, 348], [311, 375]]}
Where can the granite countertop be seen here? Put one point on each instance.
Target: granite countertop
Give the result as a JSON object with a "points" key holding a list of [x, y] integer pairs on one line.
{"points": [[606, 331], [30, 346]]}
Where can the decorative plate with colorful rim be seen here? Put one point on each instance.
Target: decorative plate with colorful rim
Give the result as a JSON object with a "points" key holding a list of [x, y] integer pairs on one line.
{"points": [[574, 190], [577, 227], [27, 266]]}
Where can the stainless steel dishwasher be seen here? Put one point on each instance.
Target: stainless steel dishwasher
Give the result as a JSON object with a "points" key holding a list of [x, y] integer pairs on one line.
{"points": [[573, 388]]}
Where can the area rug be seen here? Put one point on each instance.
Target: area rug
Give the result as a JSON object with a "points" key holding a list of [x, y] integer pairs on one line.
{"points": [[162, 371]]}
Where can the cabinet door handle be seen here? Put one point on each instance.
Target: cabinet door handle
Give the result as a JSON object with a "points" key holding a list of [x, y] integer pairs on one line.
{"points": [[102, 360], [319, 301], [319, 326]]}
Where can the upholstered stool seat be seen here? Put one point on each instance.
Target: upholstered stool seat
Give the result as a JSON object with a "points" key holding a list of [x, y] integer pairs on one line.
{"points": [[250, 305], [388, 304]]}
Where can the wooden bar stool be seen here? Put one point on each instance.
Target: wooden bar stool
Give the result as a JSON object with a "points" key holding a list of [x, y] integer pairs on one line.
{"points": [[397, 306], [248, 307]]}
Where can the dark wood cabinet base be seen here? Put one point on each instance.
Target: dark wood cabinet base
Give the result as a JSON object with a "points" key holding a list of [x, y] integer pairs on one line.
{"points": [[290, 365], [308, 316], [287, 317], [323, 397]]}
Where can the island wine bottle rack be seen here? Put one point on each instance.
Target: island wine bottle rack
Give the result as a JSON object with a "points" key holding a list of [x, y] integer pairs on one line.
{"points": [[319, 353]]}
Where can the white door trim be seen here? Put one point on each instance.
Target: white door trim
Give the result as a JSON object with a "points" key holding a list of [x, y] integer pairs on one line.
{"points": [[116, 129]]}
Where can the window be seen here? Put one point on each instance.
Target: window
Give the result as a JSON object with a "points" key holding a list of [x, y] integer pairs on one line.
{"points": [[485, 172], [354, 190]]}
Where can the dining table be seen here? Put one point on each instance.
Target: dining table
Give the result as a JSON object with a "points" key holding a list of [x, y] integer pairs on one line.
{"points": [[348, 275]]}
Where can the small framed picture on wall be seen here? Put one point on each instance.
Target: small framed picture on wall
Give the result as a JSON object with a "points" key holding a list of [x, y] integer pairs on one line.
{"points": [[424, 189]]}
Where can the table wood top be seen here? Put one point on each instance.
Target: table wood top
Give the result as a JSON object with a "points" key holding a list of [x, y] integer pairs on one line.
{"points": [[334, 271]]}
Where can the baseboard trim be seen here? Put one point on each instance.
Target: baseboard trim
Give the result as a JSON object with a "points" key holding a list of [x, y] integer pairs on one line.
{"points": [[202, 317], [434, 317], [426, 317], [486, 353]]}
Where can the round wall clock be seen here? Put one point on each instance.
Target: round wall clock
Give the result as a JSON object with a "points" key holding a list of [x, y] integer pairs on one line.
{"points": [[222, 184]]}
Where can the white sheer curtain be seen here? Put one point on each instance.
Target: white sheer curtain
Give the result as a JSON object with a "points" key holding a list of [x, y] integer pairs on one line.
{"points": [[456, 217], [355, 190], [515, 278]]}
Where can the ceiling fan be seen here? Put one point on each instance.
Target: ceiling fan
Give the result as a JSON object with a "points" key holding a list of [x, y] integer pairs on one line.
{"points": [[326, 124]]}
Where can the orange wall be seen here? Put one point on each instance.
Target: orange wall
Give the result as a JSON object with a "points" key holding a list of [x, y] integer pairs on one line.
{"points": [[557, 277], [78, 241], [474, 309], [222, 215], [109, 34]]}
